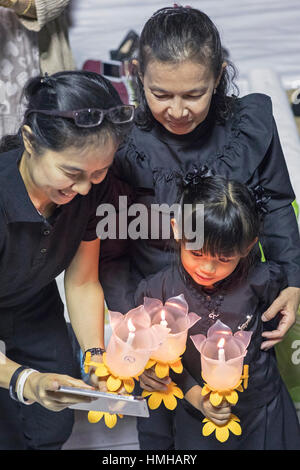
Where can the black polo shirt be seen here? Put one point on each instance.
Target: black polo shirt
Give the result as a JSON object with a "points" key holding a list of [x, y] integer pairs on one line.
{"points": [[35, 250]]}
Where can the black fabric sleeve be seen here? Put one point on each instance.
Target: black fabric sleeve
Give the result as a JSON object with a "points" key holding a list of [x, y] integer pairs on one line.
{"points": [[115, 254], [280, 240]]}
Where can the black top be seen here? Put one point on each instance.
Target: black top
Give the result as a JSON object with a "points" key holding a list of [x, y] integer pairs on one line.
{"points": [[240, 309], [246, 148], [35, 250]]}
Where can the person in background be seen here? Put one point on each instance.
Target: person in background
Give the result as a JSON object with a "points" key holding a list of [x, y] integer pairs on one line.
{"points": [[34, 40]]}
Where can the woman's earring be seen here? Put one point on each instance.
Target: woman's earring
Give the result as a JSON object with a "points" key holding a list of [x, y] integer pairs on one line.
{"points": [[215, 91]]}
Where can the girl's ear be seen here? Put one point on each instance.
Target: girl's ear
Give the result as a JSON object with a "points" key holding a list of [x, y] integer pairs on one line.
{"points": [[28, 139], [175, 229]]}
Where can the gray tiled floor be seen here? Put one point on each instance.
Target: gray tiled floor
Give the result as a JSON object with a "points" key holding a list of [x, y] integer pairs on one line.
{"points": [[98, 437]]}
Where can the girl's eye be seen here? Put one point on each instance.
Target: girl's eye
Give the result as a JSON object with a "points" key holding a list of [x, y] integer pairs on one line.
{"points": [[196, 253], [224, 260]]}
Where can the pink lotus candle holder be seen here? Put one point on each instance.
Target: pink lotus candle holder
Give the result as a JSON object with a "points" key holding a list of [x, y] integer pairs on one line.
{"points": [[222, 358], [132, 341], [175, 316]]}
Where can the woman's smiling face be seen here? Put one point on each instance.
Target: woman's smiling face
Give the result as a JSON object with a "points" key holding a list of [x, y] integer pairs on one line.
{"points": [[58, 177], [178, 94]]}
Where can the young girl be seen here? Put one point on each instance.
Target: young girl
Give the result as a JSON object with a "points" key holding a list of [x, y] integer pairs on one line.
{"points": [[186, 120], [223, 280]]}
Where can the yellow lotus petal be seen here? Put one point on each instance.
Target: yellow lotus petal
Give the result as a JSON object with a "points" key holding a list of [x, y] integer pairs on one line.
{"points": [[215, 398], [232, 397], [110, 420], [240, 388], [170, 401], [177, 392], [101, 370], [150, 363], [154, 400], [222, 433], [205, 390], [121, 416], [208, 428], [129, 385], [161, 370], [95, 416], [234, 418], [113, 383], [235, 427], [145, 393], [177, 366]]}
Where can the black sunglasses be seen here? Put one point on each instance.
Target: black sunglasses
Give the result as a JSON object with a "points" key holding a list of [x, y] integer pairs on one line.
{"points": [[92, 117]]}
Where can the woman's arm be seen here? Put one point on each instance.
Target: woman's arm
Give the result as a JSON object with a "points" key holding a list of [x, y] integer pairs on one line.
{"points": [[280, 240], [41, 387], [84, 296]]}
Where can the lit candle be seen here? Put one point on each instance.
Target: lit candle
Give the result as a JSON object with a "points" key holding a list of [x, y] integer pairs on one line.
{"points": [[163, 321], [131, 329], [221, 352]]}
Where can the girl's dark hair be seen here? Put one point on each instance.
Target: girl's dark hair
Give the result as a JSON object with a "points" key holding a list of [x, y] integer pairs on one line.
{"points": [[67, 91], [184, 33], [232, 220]]}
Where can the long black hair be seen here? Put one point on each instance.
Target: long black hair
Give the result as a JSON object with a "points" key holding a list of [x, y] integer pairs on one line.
{"points": [[66, 91], [184, 33], [232, 220]]}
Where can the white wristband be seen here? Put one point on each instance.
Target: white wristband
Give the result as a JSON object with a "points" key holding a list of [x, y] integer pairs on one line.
{"points": [[20, 386]]}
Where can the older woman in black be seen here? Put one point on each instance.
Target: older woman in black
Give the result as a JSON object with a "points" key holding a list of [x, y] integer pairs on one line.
{"points": [[52, 181], [186, 120]]}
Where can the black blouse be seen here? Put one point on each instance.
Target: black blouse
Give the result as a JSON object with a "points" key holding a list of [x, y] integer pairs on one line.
{"points": [[35, 250], [246, 148], [240, 309]]}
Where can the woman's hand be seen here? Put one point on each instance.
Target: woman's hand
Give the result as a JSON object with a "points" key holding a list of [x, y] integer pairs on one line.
{"points": [[97, 382], [41, 388], [150, 382], [286, 304], [220, 415]]}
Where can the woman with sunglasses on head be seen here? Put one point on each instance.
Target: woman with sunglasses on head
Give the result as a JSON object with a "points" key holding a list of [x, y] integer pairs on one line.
{"points": [[52, 180], [186, 119]]}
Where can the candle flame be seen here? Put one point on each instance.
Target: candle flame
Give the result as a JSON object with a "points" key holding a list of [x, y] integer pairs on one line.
{"points": [[221, 343], [163, 314], [131, 326]]}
